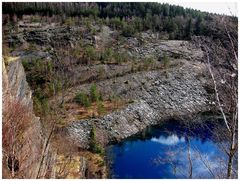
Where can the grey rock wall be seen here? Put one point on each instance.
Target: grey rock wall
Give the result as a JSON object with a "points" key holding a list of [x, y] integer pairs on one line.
{"points": [[16, 89], [157, 96]]}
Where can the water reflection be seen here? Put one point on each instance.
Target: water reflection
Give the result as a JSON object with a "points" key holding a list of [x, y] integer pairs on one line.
{"points": [[170, 140], [163, 152]]}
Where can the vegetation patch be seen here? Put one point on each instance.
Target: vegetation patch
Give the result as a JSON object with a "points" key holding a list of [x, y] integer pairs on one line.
{"points": [[82, 99], [95, 147]]}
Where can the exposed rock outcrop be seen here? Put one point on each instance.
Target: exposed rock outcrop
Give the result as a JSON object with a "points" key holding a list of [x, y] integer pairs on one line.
{"points": [[157, 96], [172, 48], [18, 85], [15, 88], [147, 44]]}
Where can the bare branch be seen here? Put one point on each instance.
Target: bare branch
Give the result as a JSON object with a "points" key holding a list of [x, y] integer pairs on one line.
{"points": [[216, 90]]}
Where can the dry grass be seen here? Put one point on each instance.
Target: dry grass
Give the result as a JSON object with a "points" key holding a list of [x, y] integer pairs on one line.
{"points": [[68, 166], [95, 164], [73, 111], [68, 160], [9, 59]]}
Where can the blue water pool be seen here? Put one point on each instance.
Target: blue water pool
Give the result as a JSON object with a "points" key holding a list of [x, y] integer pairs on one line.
{"points": [[168, 151]]}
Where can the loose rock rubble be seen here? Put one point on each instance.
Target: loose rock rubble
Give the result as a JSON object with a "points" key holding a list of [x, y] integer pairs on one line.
{"points": [[164, 95]]}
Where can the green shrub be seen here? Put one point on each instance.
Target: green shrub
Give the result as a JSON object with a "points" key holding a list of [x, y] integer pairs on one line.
{"points": [[107, 55], [27, 65], [94, 94], [165, 60], [148, 63], [38, 93], [93, 31], [94, 146], [45, 106], [101, 71], [99, 149], [35, 19], [54, 86], [112, 97], [50, 66], [51, 88], [128, 30], [82, 98], [120, 57], [69, 22], [116, 23], [101, 163], [32, 47], [36, 64], [91, 54], [87, 23], [41, 103], [100, 107]]}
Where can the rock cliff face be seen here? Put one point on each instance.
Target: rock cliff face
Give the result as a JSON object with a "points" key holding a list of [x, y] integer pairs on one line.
{"points": [[18, 85], [157, 96], [156, 49], [15, 88], [148, 44]]}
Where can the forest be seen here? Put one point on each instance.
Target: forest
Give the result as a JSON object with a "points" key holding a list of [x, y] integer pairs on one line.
{"points": [[178, 22]]}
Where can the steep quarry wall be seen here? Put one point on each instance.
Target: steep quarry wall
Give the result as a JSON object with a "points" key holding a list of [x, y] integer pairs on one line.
{"points": [[157, 96], [16, 89]]}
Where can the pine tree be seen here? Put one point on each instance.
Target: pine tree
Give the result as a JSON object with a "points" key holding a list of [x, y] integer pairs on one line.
{"points": [[199, 25], [189, 29]]}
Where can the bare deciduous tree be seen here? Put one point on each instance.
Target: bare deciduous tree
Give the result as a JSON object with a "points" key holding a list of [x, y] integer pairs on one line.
{"points": [[16, 119], [223, 72]]}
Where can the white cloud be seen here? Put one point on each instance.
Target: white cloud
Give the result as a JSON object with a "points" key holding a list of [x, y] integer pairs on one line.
{"points": [[170, 140]]}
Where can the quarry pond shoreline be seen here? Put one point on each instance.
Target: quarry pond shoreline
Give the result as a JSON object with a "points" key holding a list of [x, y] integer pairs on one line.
{"points": [[193, 120], [157, 96], [196, 122]]}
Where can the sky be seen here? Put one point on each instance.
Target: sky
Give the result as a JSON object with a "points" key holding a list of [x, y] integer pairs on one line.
{"points": [[227, 8]]}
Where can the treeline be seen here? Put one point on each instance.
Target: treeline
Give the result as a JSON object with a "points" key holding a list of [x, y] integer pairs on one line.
{"points": [[101, 9], [50, 8], [176, 21]]}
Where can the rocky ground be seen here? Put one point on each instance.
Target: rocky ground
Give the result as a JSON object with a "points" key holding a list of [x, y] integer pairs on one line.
{"points": [[156, 96]]}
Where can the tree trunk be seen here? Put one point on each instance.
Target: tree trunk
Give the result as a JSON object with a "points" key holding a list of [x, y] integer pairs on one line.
{"points": [[230, 162], [13, 172], [230, 157]]}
